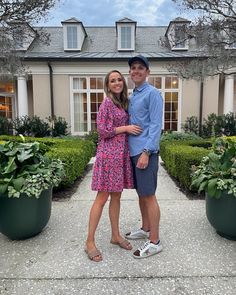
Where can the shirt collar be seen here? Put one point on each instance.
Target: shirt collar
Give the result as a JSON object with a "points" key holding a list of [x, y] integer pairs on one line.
{"points": [[141, 87]]}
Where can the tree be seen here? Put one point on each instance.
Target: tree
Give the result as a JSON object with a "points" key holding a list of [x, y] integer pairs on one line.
{"points": [[16, 20], [214, 35]]}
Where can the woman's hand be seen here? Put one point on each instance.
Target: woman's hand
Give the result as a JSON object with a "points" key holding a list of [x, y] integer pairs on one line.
{"points": [[133, 129]]}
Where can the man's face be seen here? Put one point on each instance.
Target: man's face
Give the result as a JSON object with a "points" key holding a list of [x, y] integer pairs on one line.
{"points": [[138, 73]]}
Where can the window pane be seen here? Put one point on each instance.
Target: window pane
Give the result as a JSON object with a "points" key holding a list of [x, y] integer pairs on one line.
{"points": [[168, 82], [93, 97], [167, 106], [92, 83], [100, 97], [79, 109], [125, 37], [93, 107], [175, 82], [180, 36], [99, 83], [79, 83], [175, 96], [168, 96], [155, 81], [72, 37]]}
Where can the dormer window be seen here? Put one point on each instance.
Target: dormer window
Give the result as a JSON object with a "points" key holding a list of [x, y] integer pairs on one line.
{"points": [[74, 34], [72, 40], [126, 34], [177, 34]]}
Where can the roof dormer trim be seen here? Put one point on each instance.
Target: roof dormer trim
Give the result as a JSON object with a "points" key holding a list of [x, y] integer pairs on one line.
{"points": [[126, 33], [74, 34]]}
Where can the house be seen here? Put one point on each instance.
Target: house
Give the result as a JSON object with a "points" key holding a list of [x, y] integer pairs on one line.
{"points": [[65, 77]]}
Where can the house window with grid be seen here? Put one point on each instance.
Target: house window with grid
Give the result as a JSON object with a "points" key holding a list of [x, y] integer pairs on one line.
{"points": [[87, 96], [6, 100], [169, 88], [126, 37]]}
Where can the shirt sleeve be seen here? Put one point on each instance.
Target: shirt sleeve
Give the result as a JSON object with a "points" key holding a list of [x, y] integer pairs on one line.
{"points": [[105, 119], [155, 125]]}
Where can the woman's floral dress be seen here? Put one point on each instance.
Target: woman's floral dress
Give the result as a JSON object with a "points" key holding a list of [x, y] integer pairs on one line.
{"points": [[112, 170]]}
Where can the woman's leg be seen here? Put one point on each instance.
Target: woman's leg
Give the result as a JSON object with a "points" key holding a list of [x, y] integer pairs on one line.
{"points": [[114, 214], [94, 217]]}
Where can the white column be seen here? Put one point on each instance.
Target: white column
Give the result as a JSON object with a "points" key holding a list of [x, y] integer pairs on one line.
{"points": [[22, 96], [229, 94]]}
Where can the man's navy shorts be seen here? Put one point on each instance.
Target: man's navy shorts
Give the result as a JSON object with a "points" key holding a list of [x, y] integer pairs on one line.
{"points": [[145, 180]]}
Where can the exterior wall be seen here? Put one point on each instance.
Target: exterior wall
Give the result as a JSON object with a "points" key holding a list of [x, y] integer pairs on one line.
{"points": [[61, 89], [41, 96], [210, 96], [190, 103]]}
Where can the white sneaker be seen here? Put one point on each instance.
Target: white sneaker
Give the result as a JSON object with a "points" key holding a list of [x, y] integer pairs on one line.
{"points": [[137, 234], [148, 249]]}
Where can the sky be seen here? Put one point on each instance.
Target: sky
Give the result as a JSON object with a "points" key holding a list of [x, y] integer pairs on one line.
{"points": [[107, 12]]}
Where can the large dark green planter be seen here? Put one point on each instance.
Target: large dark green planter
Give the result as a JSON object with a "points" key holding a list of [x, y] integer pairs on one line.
{"points": [[221, 214], [24, 217]]}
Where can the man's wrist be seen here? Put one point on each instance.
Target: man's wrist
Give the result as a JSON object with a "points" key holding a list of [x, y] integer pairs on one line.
{"points": [[147, 152]]}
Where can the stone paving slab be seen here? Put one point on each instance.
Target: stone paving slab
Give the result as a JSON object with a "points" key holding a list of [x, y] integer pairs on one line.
{"points": [[195, 260], [110, 286]]}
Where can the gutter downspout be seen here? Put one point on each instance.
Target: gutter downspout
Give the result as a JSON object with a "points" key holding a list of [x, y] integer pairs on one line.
{"points": [[51, 90], [201, 107]]}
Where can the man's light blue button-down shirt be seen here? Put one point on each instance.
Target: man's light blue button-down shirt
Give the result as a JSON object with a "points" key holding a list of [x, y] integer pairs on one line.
{"points": [[145, 110]]}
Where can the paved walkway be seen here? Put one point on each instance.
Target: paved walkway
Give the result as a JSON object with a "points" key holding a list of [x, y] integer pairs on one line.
{"points": [[195, 260]]}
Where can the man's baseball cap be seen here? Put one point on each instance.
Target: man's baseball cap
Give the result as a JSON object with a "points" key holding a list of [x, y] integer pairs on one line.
{"points": [[139, 58]]}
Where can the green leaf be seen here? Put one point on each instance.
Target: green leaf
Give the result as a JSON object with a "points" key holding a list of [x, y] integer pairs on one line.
{"points": [[11, 166], [211, 187], [24, 155], [18, 183], [3, 189]]}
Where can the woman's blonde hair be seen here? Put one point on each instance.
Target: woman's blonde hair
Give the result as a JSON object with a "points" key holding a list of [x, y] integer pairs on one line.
{"points": [[122, 101]]}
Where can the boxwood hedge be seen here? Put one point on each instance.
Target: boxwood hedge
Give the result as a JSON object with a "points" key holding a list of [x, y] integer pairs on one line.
{"points": [[179, 157]]}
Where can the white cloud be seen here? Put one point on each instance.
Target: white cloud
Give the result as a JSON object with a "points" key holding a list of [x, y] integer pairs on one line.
{"points": [[107, 12]]}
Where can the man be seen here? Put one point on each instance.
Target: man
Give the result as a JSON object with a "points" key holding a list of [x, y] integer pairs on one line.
{"points": [[145, 110]]}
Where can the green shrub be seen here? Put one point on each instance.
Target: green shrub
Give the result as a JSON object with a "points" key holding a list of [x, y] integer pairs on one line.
{"points": [[191, 125], [5, 126], [93, 136], [31, 126], [180, 156], [59, 126], [75, 155], [175, 135]]}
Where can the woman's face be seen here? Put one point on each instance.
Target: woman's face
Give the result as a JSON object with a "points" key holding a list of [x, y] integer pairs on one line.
{"points": [[115, 83]]}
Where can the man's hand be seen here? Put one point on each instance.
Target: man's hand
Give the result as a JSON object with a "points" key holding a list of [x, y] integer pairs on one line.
{"points": [[143, 161]]}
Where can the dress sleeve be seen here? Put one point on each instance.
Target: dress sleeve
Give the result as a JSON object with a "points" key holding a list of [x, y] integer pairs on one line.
{"points": [[105, 119]]}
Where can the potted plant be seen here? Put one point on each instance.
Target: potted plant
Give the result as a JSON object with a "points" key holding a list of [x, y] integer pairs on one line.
{"points": [[26, 180], [216, 175]]}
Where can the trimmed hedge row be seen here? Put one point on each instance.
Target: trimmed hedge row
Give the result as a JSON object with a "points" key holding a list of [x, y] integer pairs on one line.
{"points": [[180, 156], [74, 153]]}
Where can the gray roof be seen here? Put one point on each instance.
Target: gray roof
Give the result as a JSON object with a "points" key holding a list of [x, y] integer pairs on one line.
{"points": [[101, 43]]}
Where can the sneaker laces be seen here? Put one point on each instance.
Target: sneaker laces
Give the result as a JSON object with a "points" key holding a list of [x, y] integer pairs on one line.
{"points": [[145, 245]]}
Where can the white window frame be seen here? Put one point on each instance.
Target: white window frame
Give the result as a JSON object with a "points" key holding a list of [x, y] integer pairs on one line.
{"points": [[132, 37], [88, 92], [66, 37], [173, 40]]}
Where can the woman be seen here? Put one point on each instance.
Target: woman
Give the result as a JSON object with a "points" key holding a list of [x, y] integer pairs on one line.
{"points": [[112, 169]]}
